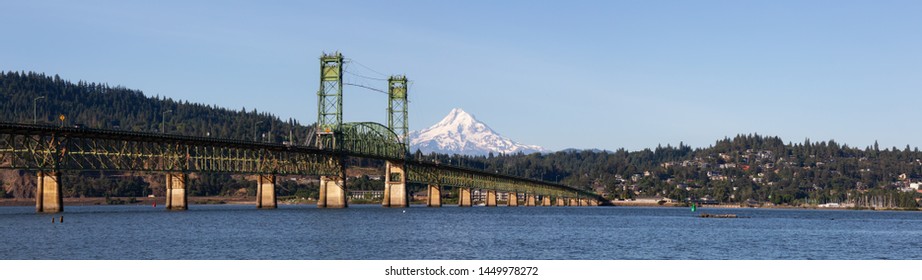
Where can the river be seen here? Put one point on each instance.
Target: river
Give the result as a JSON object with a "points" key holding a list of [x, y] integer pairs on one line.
{"points": [[370, 232]]}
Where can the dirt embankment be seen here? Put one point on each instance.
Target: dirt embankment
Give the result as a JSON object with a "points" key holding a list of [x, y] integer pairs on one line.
{"points": [[16, 183]]}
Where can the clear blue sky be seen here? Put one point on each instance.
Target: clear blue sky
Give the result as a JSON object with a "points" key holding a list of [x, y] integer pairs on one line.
{"points": [[560, 74]]}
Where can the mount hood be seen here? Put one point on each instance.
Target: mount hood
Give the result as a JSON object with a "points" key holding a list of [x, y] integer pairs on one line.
{"points": [[462, 133]]}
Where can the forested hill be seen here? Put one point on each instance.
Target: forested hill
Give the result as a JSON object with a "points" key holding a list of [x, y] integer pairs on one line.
{"points": [[733, 170], [115, 107]]}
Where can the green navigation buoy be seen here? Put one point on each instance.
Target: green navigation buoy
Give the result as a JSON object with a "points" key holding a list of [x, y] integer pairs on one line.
{"points": [[694, 207]]}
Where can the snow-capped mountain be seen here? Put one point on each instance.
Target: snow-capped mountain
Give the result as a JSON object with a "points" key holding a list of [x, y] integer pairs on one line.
{"points": [[461, 133]]}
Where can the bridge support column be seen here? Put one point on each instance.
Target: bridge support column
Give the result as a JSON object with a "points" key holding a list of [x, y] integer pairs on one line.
{"points": [[593, 203], [434, 197], [574, 202], [546, 201], [464, 197], [332, 192], [560, 202], [513, 199], [395, 186], [491, 198], [529, 200], [48, 195], [176, 196], [265, 192]]}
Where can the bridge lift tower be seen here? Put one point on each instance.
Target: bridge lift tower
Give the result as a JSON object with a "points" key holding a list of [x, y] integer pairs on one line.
{"points": [[330, 127], [330, 134], [395, 182]]}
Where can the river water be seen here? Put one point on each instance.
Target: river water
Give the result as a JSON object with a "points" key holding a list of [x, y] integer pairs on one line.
{"points": [[370, 232]]}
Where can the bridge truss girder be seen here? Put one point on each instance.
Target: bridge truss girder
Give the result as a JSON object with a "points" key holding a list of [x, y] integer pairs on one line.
{"points": [[62, 149], [435, 174], [44, 148], [373, 140]]}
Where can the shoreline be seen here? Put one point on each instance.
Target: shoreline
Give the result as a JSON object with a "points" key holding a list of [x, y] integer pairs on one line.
{"points": [[736, 206]]}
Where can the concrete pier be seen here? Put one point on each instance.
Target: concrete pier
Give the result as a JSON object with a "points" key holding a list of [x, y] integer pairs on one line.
{"points": [[434, 197], [464, 197], [529, 200], [48, 195], [583, 202], [332, 192], [265, 192], [395, 186], [574, 202], [560, 202], [513, 199], [491, 198], [176, 195], [546, 201]]}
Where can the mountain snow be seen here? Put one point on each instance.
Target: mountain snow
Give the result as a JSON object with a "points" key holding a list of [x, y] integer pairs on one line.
{"points": [[461, 133]]}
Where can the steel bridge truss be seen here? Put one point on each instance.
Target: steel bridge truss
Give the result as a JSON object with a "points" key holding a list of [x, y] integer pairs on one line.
{"points": [[372, 140], [46, 148], [435, 174], [31, 147]]}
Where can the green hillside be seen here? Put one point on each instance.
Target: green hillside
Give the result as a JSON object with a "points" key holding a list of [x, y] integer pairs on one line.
{"points": [[116, 107]]}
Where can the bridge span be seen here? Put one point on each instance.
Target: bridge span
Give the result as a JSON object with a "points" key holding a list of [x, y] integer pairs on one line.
{"points": [[50, 150]]}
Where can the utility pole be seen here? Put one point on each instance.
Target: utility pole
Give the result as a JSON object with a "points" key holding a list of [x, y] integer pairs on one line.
{"points": [[34, 108], [162, 118], [254, 129]]}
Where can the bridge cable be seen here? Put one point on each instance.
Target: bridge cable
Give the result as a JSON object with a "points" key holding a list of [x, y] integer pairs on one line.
{"points": [[365, 87], [366, 77], [366, 67]]}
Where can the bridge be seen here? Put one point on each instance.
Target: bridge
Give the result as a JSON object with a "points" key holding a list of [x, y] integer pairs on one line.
{"points": [[50, 150]]}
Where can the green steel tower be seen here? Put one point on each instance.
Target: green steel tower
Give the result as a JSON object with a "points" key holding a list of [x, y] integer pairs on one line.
{"points": [[330, 101], [397, 107], [395, 183]]}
